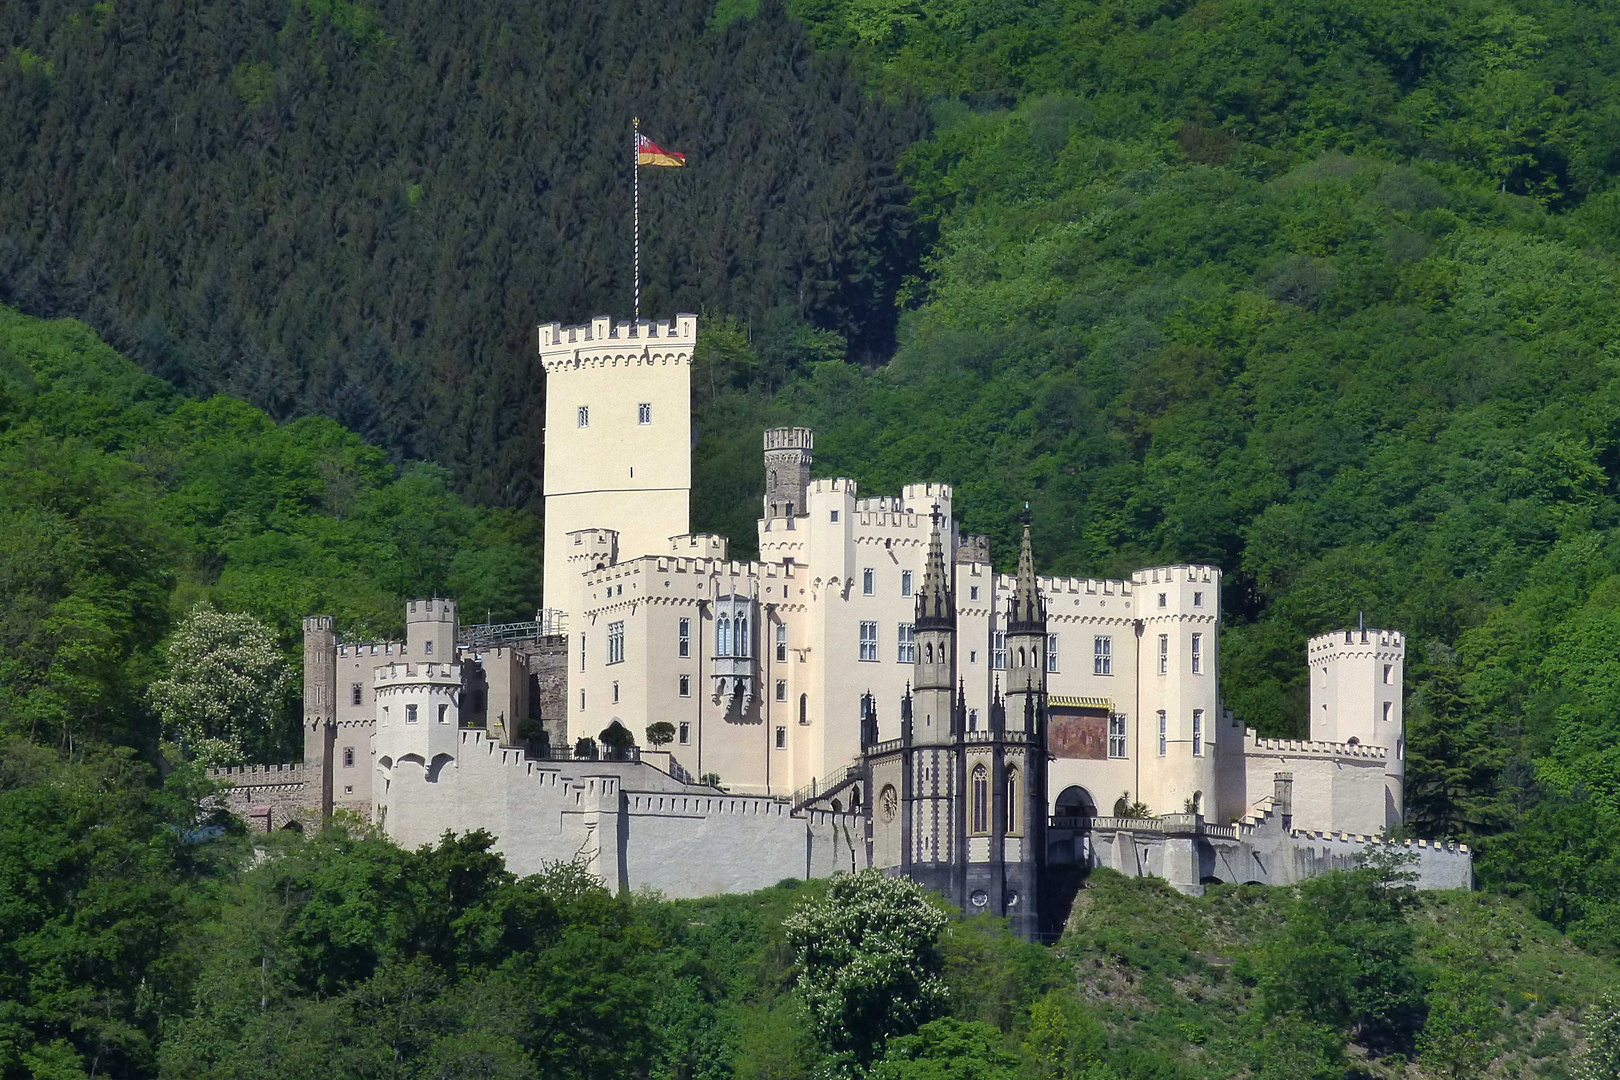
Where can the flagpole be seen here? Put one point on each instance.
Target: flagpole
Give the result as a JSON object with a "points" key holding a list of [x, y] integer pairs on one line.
{"points": [[635, 198]]}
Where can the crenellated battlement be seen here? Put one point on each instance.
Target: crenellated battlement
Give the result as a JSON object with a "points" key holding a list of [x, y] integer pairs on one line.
{"points": [[1311, 748], [401, 675], [790, 438], [261, 775], [833, 484], [603, 343], [1381, 642], [1165, 575], [916, 495]]}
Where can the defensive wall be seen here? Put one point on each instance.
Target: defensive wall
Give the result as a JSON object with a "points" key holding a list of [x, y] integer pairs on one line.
{"points": [[634, 825], [269, 797]]}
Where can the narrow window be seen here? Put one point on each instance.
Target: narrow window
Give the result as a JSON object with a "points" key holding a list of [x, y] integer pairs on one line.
{"points": [[1162, 601], [1197, 654], [998, 650], [410, 714], [973, 592], [1164, 654], [582, 651], [1389, 674], [781, 643], [905, 583], [685, 735], [385, 714], [1389, 708], [686, 637], [908, 644], [427, 648], [356, 694], [615, 643], [1012, 801], [722, 636], [615, 691], [973, 656], [1051, 652], [781, 689], [1164, 732], [868, 582], [781, 738], [348, 757], [973, 719], [1102, 655], [981, 800], [644, 413], [804, 709], [582, 701], [1198, 733], [584, 418], [740, 640], [444, 714], [835, 516], [869, 645], [1116, 735], [1198, 599], [686, 686]]}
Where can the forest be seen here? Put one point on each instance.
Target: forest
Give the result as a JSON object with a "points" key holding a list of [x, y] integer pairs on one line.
{"points": [[1320, 294]]}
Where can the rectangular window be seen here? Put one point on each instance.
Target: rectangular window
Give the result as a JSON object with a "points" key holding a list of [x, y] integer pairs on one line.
{"points": [[973, 719], [869, 645], [584, 416], [781, 689], [582, 701], [868, 582], [781, 738], [905, 583], [686, 637], [1162, 601], [685, 735], [781, 643], [835, 517], [1116, 735], [1164, 732], [1102, 655], [385, 714], [1389, 709], [582, 651], [1198, 599], [1198, 654], [348, 757], [1198, 733], [1164, 654], [1389, 674], [615, 644], [410, 714], [1051, 652], [444, 714], [348, 789], [686, 686], [998, 650], [908, 644], [973, 592], [973, 656], [427, 648], [644, 413], [615, 691], [357, 694]]}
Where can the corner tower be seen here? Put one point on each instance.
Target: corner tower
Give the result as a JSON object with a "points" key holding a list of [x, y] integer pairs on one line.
{"points": [[787, 471], [618, 442]]}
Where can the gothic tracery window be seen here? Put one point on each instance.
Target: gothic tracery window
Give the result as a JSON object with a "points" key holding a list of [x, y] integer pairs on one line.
{"points": [[981, 799]]}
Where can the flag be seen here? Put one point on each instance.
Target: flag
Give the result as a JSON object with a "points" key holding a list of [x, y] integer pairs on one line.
{"points": [[649, 153]]}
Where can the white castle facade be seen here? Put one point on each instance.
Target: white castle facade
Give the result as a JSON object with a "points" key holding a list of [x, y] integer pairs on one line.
{"points": [[870, 691]]}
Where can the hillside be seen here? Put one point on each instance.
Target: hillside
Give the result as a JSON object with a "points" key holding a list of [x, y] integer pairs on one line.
{"points": [[126, 503]]}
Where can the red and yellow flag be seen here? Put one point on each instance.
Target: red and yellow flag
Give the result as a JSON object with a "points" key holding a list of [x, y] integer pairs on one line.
{"points": [[650, 153]]}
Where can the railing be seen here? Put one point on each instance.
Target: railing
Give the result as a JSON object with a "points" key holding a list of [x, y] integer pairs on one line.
{"points": [[546, 624], [815, 789]]}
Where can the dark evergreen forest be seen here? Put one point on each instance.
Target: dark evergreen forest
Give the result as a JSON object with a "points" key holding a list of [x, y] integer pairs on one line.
{"points": [[362, 212]]}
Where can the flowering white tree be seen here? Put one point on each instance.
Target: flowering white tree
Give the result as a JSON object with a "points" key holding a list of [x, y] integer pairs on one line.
{"points": [[868, 964], [223, 692], [1600, 1060]]}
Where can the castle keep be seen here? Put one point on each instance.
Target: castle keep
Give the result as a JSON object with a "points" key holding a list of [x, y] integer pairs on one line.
{"points": [[870, 692]]}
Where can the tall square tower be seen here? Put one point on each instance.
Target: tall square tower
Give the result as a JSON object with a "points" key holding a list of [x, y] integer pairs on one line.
{"points": [[618, 439]]}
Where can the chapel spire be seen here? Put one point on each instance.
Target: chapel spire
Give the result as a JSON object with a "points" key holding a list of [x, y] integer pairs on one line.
{"points": [[1028, 606], [936, 602]]}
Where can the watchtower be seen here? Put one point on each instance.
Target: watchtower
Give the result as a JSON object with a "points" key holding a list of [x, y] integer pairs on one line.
{"points": [[618, 437], [1356, 678], [320, 704], [430, 629], [787, 471]]}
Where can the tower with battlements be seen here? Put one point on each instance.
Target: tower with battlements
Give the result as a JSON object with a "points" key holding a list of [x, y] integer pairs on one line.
{"points": [[618, 440]]}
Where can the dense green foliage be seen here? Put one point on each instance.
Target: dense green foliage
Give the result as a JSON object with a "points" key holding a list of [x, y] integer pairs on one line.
{"points": [[126, 503], [363, 210], [141, 941]]}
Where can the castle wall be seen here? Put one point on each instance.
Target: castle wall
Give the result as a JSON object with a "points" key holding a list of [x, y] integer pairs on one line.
{"points": [[270, 797], [1336, 786]]}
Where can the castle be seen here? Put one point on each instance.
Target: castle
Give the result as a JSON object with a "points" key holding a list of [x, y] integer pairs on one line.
{"points": [[869, 692]]}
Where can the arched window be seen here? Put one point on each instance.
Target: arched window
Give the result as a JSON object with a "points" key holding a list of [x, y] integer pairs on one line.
{"points": [[1020, 657], [928, 653], [804, 708], [1012, 800], [981, 800], [722, 636], [742, 636]]}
